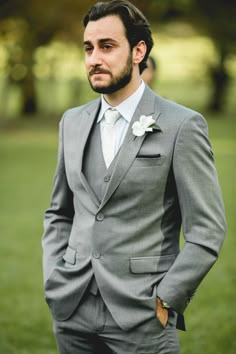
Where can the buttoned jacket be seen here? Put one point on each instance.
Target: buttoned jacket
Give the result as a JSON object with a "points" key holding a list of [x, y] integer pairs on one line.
{"points": [[130, 240]]}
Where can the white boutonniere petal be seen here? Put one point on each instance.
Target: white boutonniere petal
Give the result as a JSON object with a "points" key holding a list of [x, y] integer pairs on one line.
{"points": [[145, 124]]}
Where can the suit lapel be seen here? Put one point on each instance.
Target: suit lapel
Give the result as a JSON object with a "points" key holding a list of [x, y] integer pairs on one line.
{"points": [[131, 144], [87, 121]]}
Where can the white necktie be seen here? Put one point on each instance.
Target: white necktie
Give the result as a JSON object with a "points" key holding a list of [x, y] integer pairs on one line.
{"points": [[108, 138]]}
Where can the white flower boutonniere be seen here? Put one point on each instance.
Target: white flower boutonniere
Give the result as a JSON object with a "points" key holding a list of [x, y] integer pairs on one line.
{"points": [[145, 124]]}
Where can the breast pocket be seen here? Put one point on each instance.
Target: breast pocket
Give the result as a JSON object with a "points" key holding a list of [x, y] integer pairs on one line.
{"points": [[148, 160]]}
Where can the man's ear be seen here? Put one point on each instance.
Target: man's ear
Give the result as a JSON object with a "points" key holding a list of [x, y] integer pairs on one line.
{"points": [[139, 52]]}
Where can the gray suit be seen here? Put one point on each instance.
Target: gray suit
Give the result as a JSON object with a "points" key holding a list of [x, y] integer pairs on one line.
{"points": [[129, 238]]}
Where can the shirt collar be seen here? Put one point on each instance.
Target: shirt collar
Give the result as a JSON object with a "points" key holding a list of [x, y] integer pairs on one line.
{"points": [[125, 108]]}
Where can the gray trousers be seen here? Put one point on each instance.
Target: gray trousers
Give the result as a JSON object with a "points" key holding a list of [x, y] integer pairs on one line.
{"points": [[92, 330]]}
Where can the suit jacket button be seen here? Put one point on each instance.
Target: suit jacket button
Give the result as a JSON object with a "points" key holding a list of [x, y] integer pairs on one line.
{"points": [[96, 255], [100, 217], [107, 178]]}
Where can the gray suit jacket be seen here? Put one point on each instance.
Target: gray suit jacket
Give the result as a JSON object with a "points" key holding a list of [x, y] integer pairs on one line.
{"points": [[130, 241]]}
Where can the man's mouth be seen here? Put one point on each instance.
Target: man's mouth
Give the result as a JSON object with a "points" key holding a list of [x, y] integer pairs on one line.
{"points": [[97, 72]]}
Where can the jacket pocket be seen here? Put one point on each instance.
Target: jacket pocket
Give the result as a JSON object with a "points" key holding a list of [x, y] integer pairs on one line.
{"points": [[155, 156], [151, 264], [148, 160]]}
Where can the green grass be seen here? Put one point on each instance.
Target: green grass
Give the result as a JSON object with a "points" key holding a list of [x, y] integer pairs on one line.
{"points": [[27, 162], [28, 157]]}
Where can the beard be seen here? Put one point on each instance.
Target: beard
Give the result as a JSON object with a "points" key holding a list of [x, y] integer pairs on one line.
{"points": [[117, 82]]}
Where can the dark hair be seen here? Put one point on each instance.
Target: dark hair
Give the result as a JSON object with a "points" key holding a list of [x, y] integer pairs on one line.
{"points": [[136, 25]]}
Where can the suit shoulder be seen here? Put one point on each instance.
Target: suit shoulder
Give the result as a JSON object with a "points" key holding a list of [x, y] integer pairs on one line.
{"points": [[175, 113], [75, 112]]}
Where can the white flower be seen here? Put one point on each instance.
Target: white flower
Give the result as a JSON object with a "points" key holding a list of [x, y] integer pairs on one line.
{"points": [[145, 124]]}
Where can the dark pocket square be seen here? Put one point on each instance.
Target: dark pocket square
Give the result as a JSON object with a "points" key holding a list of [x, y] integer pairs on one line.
{"points": [[155, 156]]}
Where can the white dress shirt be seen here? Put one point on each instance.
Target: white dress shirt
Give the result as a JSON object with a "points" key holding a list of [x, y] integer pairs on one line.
{"points": [[126, 110]]}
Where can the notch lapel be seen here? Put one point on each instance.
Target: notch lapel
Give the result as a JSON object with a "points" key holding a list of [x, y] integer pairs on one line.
{"points": [[87, 121], [131, 144]]}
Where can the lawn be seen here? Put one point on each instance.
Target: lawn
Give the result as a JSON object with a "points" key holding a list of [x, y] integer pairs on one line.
{"points": [[28, 157]]}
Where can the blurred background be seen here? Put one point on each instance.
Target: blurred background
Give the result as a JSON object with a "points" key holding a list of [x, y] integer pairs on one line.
{"points": [[41, 75]]}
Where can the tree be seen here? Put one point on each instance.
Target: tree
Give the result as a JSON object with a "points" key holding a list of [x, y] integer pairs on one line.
{"points": [[44, 19], [214, 18], [38, 21], [217, 19]]}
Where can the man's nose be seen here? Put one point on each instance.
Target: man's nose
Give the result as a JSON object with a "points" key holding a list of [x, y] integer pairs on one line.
{"points": [[95, 58]]}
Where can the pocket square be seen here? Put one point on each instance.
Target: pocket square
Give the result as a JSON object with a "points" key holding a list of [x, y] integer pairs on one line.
{"points": [[155, 156]]}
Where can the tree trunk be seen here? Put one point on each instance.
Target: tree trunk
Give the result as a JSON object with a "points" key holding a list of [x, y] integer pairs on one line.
{"points": [[220, 81], [29, 104]]}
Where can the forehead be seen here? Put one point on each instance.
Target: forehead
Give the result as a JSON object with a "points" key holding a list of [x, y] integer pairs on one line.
{"points": [[106, 27]]}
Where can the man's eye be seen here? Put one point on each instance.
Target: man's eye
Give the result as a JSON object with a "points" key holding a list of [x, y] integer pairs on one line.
{"points": [[88, 49], [107, 46]]}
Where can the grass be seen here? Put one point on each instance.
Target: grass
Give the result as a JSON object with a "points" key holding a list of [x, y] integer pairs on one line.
{"points": [[28, 157], [27, 160]]}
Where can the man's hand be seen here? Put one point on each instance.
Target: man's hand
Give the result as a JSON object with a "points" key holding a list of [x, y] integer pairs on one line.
{"points": [[161, 312]]}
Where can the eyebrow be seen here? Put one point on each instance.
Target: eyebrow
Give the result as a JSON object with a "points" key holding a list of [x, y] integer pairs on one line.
{"points": [[101, 41]]}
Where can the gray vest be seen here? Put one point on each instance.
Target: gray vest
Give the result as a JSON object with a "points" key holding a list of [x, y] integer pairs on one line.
{"points": [[96, 173], [94, 167]]}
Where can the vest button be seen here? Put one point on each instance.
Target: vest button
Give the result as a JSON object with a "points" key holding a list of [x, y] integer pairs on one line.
{"points": [[100, 217], [107, 178]]}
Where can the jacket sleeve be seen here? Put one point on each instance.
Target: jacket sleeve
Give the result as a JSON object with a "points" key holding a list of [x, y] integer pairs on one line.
{"points": [[203, 219], [58, 217]]}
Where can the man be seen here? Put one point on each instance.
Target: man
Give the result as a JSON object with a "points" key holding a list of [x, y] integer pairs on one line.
{"points": [[132, 167], [149, 74]]}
